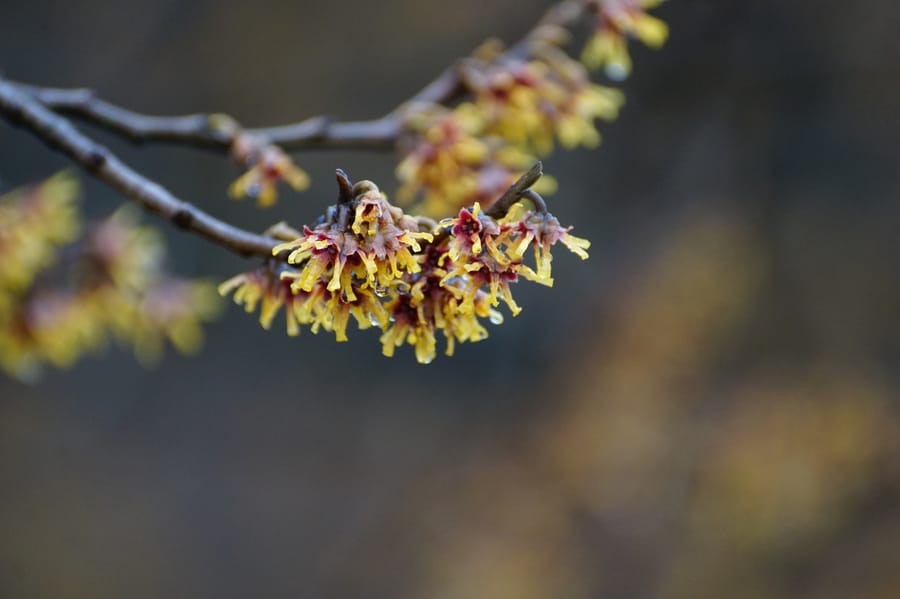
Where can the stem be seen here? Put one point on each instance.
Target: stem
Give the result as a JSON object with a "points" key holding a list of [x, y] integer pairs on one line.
{"points": [[521, 187]]}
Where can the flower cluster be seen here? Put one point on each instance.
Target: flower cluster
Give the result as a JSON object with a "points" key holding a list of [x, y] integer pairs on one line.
{"points": [[488, 253], [615, 22], [62, 296], [369, 262], [514, 110]]}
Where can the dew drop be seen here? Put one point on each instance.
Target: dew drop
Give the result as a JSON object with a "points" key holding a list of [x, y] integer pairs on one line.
{"points": [[496, 318], [616, 71]]}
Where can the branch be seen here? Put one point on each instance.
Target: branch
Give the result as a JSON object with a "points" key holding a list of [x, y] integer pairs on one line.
{"points": [[520, 188], [321, 132], [19, 108], [207, 130]]}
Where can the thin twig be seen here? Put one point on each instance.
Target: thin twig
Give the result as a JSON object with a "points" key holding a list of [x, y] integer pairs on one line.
{"points": [[517, 190], [203, 131], [21, 109]]}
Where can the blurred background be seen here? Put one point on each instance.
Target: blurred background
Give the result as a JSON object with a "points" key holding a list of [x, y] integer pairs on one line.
{"points": [[706, 408]]}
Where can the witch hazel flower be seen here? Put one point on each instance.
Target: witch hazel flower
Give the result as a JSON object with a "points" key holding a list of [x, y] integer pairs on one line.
{"points": [[452, 161], [34, 223], [265, 288], [429, 306], [268, 165], [532, 103], [271, 289], [616, 21], [479, 260]]}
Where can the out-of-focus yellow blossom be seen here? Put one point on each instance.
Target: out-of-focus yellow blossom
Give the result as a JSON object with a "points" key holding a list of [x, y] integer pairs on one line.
{"points": [[266, 287], [268, 165], [453, 164], [616, 21], [123, 276], [58, 303], [34, 221], [121, 249], [52, 327], [529, 104], [172, 310]]}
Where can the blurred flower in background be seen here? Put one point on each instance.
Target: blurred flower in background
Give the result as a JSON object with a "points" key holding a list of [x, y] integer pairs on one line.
{"points": [[62, 296]]}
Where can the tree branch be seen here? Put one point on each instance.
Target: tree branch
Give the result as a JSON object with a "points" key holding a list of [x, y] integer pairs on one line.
{"points": [[19, 108], [206, 130], [321, 132]]}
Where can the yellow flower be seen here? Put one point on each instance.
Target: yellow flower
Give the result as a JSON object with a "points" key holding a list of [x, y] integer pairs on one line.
{"points": [[409, 324], [51, 327], [268, 165], [616, 21], [430, 305], [114, 284], [121, 250], [454, 164], [172, 310], [541, 231], [264, 286], [34, 222], [373, 252], [462, 326], [529, 104], [479, 259]]}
